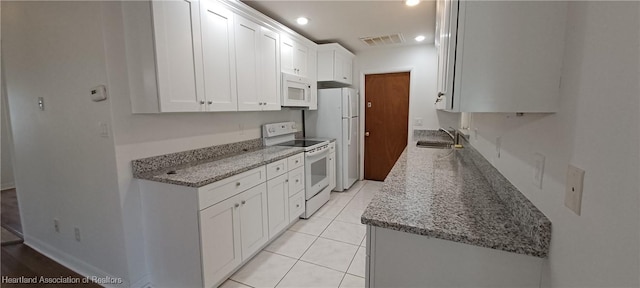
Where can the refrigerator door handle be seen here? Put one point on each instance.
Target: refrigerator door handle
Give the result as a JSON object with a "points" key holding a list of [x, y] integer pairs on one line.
{"points": [[349, 138]]}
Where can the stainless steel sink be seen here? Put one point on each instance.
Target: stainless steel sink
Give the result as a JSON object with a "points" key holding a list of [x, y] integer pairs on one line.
{"points": [[433, 145]]}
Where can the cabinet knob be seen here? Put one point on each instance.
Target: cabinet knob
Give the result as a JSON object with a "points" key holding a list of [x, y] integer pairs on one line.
{"points": [[297, 161], [237, 184], [236, 205], [297, 205], [345, 78], [201, 102], [210, 102], [277, 168], [287, 180], [243, 202]]}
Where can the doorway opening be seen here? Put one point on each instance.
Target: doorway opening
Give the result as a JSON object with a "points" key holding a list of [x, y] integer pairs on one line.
{"points": [[386, 122]]}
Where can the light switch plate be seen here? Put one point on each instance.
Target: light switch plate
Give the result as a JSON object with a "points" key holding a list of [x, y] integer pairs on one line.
{"points": [[573, 193], [538, 169]]}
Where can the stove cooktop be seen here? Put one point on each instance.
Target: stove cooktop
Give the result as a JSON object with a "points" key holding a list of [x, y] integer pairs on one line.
{"points": [[301, 143]]}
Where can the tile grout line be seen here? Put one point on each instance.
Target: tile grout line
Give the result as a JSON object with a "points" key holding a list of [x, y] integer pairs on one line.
{"points": [[297, 260]]}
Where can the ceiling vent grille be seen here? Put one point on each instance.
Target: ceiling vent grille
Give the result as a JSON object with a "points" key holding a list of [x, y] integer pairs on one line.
{"points": [[383, 40]]}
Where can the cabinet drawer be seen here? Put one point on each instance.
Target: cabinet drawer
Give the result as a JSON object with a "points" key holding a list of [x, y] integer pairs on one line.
{"points": [[296, 206], [276, 169], [223, 189], [296, 161], [296, 180]]}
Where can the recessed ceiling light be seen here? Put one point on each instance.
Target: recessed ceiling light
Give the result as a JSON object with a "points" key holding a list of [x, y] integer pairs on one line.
{"points": [[302, 21], [420, 38], [412, 2]]}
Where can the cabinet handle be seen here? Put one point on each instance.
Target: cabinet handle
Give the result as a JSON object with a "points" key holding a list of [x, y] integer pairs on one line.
{"points": [[201, 102], [243, 202], [440, 94], [237, 184], [209, 102], [236, 205]]}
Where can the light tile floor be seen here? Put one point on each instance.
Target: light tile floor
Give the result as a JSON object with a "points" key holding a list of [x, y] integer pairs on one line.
{"points": [[327, 250]]}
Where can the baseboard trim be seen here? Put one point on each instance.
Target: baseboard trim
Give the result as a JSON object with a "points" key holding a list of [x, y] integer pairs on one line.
{"points": [[71, 262], [5, 186]]}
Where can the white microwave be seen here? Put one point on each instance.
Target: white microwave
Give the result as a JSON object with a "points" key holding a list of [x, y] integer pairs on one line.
{"points": [[296, 91]]}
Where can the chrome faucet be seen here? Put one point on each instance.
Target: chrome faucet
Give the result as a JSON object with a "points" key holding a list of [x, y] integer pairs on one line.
{"points": [[453, 138]]}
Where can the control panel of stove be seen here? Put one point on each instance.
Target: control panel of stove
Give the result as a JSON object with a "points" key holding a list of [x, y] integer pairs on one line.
{"points": [[277, 129]]}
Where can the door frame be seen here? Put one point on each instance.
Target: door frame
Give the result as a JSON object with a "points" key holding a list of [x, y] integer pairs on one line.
{"points": [[362, 115]]}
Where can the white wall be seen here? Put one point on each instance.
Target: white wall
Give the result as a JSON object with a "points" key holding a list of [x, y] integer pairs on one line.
{"points": [[6, 145], [596, 129], [144, 135], [63, 168]]}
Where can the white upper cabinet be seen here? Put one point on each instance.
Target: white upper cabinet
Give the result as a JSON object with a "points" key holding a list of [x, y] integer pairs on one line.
{"points": [[258, 66], [269, 72], [335, 65], [209, 55], [500, 56], [247, 62], [219, 57], [295, 57], [176, 26]]}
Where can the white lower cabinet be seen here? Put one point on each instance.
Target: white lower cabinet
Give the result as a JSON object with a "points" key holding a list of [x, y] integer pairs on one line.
{"points": [[332, 169], [278, 203], [219, 234], [197, 237]]}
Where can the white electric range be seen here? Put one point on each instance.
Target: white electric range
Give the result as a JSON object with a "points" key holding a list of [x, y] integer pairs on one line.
{"points": [[316, 162]]}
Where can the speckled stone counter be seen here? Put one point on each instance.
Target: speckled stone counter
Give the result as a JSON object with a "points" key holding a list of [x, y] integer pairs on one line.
{"points": [[442, 193], [198, 173]]}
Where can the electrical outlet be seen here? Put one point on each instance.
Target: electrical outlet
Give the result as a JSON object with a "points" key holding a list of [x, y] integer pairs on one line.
{"points": [[76, 232], [56, 225], [538, 169], [498, 145], [573, 193], [418, 121]]}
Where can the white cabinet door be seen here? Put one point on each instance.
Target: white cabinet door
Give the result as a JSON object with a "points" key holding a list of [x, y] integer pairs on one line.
{"points": [[278, 204], [220, 234], [176, 26], [294, 57], [332, 170], [300, 59], [286, 55], [347, 70], [219, 57], [269, 73], [247, 39], [254, 230], [338, 69]]}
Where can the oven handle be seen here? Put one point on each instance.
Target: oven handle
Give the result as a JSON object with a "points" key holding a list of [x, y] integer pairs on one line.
{"points": [[317, 152]]}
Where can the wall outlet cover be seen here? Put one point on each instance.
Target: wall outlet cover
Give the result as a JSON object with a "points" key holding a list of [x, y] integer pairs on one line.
{"points": [[538, 169], [573, 192]]}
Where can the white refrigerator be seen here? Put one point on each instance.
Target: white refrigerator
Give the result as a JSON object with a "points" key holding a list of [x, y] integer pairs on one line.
{"points": [[337, 117]]}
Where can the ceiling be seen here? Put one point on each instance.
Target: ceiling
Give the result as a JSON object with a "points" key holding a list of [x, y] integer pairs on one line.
{"points": [[345, 22]]}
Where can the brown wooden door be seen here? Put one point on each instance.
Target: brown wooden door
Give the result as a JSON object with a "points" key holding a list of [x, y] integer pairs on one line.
{"points": [[386, 122]]}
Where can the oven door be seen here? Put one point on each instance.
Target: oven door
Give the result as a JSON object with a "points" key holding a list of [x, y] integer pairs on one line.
{"points": [[316, 172]]}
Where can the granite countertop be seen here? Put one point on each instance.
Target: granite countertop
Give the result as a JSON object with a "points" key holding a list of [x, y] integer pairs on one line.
{"points": [[207, 171], [441, 193]]}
